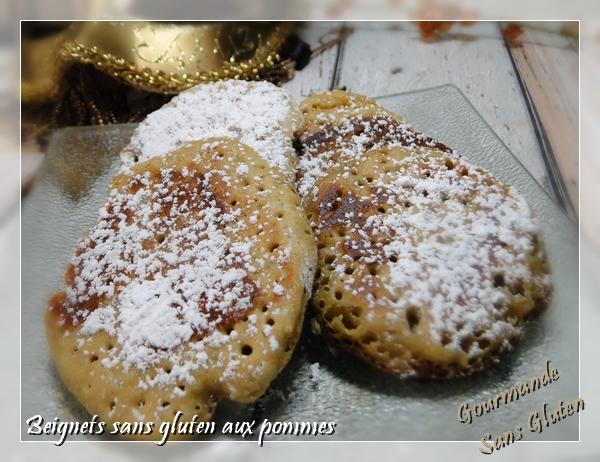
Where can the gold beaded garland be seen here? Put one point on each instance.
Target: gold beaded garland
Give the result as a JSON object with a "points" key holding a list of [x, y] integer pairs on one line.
{"points": [[157, 57]]}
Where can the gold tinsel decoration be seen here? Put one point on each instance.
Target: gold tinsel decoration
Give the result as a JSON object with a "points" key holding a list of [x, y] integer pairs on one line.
{"points": [[117, 72]]}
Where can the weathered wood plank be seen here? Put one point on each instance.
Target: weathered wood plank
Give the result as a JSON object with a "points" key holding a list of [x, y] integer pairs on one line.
{"points": [[383, 62], [317, 76], [590, 158], [542, 33], [477, 29], [551, 75]]}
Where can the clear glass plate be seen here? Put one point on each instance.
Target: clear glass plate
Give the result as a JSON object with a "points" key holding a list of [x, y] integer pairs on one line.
{"points": [[365, 404]]}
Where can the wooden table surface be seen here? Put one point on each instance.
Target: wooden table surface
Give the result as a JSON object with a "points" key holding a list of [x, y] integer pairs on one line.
{"points": [[527, 90]]}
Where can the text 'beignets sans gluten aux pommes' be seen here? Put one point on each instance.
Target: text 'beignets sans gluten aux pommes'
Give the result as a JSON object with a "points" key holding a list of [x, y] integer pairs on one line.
{"points": [[428, 266], [192, 285]]}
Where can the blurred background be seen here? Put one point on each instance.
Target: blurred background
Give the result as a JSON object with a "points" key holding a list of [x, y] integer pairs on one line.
{"points": [[17, 172]]}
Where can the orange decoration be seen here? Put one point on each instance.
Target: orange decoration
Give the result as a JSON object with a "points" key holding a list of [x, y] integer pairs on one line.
{"points": [[512, 31], [428, 29]]}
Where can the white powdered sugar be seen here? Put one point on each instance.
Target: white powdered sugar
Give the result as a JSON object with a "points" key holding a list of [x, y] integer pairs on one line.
{"points": [[457, 236], [258, 114], [167, 263], [454, 241], [316, 375], [330, 148]]}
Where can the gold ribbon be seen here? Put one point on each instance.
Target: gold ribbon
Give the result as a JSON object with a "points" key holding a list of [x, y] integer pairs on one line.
{"points": [[158, 57]]}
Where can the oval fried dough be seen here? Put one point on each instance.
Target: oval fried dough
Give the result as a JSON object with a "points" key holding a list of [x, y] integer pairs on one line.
{"points": [[428, 266], [190, 288]]}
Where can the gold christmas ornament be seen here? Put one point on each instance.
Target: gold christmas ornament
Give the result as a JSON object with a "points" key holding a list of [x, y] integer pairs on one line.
{"points": [[98, 73], [158, 57]]}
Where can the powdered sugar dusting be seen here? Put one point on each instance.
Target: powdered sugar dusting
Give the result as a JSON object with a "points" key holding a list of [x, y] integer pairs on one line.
{"points": [[458, 237], [456, 244], [355, 136], [164, 262], [258, 114], [453, 242]]}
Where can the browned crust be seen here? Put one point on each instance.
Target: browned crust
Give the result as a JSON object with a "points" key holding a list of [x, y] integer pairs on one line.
{"points": [[353, 296], [243, 367], [355, 307]]}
